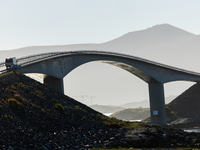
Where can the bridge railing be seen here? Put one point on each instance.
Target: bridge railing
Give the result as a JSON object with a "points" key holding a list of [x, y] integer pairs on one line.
{"points": [[135, 58], [139, 59]]}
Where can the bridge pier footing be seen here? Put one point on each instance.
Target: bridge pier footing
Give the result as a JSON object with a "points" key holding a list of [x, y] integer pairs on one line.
{"points": [[157, 103], [55, 83]]}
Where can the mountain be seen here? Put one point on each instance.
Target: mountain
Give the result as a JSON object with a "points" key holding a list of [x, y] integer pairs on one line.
{"points": [[158, 43], [140, 43], [161, 43], [145, 103], [154, 39], [25, 51]]}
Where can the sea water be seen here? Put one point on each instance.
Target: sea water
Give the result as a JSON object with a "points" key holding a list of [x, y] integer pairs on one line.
{"points": [[193, 130], [108, 114]]}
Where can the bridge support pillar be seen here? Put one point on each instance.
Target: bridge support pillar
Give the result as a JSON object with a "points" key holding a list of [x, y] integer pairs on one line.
{"points": [[55, 83], [157, 103]]}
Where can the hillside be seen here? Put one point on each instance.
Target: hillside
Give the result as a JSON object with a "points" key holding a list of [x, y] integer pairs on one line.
{"points": [[34, 116], [132, 114], [187, 104], [151, 40]]}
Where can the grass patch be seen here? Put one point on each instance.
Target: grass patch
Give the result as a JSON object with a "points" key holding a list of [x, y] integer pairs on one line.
{"points": [[59, 106], [116, 123], [132, 114], [6, 73], [169, 112], [14, 103], [147, 120], [78, 107]]}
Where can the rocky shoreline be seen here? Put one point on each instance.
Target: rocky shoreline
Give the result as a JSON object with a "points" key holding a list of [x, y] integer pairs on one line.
{"points": [[97, 137], [186, 125], [157, 137]]}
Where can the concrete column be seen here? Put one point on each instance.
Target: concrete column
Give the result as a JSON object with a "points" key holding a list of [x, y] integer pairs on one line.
{"points": [[55, 83], [157, 103]]}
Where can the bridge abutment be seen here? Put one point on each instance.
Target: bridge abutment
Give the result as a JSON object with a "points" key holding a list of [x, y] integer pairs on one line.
{"points": [[157, 103], [55, 83]]}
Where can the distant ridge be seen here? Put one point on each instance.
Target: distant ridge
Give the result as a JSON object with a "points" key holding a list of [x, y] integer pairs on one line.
{"points": [[163, 43], [145, 103], [157, 43], [133, 43], [147, 39], [158, 32]]}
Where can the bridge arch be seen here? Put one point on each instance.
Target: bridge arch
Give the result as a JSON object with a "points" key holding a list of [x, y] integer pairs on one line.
{"points": [[154, 74]]}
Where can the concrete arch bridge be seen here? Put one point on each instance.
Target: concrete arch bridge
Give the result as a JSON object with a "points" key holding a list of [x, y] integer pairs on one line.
{"points": [[55, 66]]}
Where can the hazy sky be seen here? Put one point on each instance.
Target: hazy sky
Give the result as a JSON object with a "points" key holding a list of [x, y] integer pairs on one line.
{"points": [[59, 22]]}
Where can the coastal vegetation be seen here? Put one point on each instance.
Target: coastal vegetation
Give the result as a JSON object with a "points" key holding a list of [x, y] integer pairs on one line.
{"points": [[117, 123], [14, 103], [132, 114]]}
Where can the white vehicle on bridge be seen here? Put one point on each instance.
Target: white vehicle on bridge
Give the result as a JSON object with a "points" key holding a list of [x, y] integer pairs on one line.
{"points": [[11, 63]]}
